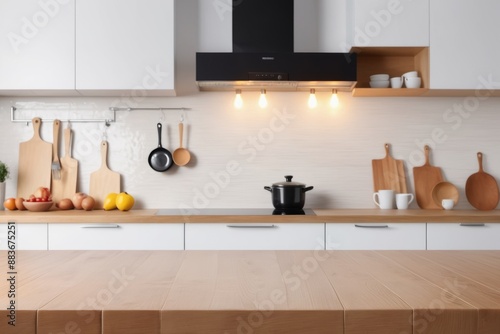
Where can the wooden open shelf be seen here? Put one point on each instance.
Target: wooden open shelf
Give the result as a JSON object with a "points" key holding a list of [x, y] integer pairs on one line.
{"points": [[393, 61], [388, 92]]}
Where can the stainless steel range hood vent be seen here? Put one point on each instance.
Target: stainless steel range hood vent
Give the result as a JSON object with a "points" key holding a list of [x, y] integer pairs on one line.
{"points": [[263, 56]]}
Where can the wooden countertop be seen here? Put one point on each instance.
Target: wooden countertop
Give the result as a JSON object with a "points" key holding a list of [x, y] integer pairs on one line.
{"points": [[352, 292], [322, 215]]}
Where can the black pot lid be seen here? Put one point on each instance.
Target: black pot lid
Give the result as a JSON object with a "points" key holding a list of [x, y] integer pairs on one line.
{"points": [[289, 183]]}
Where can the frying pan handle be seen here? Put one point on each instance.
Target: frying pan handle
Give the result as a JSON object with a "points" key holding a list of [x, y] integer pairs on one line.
{"points": [[308, 188], [159, 134], [268, 188]]}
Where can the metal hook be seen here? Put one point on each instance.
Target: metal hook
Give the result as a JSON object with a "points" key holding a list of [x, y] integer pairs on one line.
{"points": [[104, 133], [162, 117]]}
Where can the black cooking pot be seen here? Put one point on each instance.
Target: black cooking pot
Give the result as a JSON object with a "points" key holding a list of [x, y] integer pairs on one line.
{"points": [[288, 194]]}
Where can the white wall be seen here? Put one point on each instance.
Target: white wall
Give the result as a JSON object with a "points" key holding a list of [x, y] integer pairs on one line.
{"points": [[330, 150]]}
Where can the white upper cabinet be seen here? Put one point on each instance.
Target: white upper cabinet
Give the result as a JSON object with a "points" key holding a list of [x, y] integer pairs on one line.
{"points": [[465, 48], [87, 47], [37, 50], [388, 23], [125, 45]]}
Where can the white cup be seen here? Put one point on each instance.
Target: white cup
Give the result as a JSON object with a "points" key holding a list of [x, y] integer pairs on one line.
{"points": [[448, 204], [413, 82], [384, 199], [403, 200], [397, 82], [411, 74]]}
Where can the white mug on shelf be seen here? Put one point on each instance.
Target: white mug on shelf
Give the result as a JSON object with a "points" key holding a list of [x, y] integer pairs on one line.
{"points": [[384, 199], [397, 82], [403, 200], [448, 204]]}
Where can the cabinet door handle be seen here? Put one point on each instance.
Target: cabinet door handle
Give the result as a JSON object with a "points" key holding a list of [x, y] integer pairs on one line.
{"points": [[252, 226], [472, 224], [101, 226], [372, 226]]}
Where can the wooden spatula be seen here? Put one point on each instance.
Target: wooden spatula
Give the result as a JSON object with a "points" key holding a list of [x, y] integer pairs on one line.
{"points": [[104, 180], [426, 177], [35, 161], [69, 167], [389, 173]]}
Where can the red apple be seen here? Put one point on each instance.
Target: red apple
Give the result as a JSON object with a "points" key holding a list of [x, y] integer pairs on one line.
{"points": [[42, 192]]}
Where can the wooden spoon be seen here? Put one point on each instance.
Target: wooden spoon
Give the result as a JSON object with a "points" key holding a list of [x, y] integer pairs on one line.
{"points": [[181, 155], [481, 188]]}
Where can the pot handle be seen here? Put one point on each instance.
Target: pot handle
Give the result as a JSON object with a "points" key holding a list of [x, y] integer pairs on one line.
{"points": [[268, 188], [308, 188]]}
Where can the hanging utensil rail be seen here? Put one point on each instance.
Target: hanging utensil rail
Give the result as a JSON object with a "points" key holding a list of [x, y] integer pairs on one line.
{"points": [[106, 121], [154, 108]]}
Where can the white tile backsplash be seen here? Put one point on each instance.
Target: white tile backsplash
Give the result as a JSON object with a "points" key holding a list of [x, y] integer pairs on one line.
{"points": [[235, 153]]}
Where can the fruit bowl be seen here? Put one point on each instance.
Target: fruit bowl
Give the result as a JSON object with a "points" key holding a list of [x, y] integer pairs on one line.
{"points": [[38, 206]]}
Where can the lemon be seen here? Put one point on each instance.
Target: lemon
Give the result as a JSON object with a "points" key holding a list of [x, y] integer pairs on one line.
{"points": [[124, 201], [110, 202]]}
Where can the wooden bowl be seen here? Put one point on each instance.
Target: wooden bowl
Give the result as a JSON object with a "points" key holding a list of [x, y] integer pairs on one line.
{"points": [[38, 206], [444, 190]]}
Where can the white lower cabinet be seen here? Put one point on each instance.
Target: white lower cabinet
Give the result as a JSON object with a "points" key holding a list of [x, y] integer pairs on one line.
{"points": [[133, 236], [253, 236], [375, 236], [26, 236], [463, 236]]}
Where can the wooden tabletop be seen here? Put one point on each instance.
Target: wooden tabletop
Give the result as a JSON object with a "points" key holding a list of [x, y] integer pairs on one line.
{"points": [[352, 292], [322, 215]]}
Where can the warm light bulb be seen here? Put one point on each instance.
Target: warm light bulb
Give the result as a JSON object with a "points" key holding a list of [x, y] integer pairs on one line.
{"points": [[334, 100], [238, 101], [313, 102], [262, 99]]}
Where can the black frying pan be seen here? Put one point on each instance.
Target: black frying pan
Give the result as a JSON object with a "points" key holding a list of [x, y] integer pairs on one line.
{"points": [[160, 159]]}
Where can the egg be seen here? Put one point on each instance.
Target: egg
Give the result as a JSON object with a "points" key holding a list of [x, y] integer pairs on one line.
{"points": [[65, 204], [19, 203]]}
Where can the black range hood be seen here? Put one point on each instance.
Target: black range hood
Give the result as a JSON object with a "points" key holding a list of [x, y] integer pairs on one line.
{"points": [[263, 55]]}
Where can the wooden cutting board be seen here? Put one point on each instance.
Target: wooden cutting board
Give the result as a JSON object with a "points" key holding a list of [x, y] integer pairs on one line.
{"points": [[389, 173], [35, 161], [425, 178], [481, 188], [104, 180], [69, 168]]}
